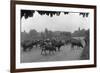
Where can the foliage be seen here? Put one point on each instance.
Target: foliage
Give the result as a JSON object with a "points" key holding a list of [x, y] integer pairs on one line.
{"points": [[47, 34], [29, 13], [59, 35], [79, 33]]}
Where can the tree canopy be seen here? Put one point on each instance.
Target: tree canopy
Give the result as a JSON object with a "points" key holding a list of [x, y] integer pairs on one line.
{"points": [[29, 13]]}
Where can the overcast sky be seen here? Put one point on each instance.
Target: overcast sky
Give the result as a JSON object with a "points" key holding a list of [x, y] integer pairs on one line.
{"points": [[70, 22]]}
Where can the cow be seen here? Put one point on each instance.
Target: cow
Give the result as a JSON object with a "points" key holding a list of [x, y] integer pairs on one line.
{"points": [[57, 44], [48, 47], [27, 44], [75, 42]]}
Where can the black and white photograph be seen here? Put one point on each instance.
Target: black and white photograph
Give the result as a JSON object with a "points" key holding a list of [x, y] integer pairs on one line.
{"points": [[48, 36], [54, 36]]}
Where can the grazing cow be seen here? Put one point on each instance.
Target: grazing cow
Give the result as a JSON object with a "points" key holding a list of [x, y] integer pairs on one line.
{"points": [[36, 42], [75, 42], [49, 48], [46, 45], [27, 45], [57, 44], [42, 43]]}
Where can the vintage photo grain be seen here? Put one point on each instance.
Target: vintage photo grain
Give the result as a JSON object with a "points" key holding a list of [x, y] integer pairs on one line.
{"points": [[54, 36]]}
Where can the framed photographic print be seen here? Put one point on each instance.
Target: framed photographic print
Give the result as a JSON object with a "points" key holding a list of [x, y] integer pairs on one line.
{"points": [[52, 36]]}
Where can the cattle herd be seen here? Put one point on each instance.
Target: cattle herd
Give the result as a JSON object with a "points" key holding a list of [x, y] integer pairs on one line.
{"points": [[49, 46]]}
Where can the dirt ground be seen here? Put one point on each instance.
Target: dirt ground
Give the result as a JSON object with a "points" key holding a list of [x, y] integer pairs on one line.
{"points": [[66, 53]]}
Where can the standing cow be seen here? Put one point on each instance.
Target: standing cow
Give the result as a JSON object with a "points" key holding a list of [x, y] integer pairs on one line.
{"points": [[75, 42]]}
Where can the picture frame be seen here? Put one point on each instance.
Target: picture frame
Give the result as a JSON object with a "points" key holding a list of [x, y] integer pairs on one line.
{"points": [[18, 9]]}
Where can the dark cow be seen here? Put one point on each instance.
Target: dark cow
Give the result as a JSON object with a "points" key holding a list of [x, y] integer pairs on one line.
{"points": [[42, 44], [49, 48], [57, 44], [27, 45], [46, 45], [75, 42], [36, 43]]}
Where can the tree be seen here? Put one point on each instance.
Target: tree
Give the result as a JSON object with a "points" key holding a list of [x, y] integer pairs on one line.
{"points": [[66, 35], [27, 13], [84, 14], [79, 33], [33, 34], [46, 33], [87, 36], [24, 36], [42, 35]]}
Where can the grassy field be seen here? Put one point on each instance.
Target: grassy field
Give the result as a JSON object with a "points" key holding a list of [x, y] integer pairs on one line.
{"points": [[66, 53]]}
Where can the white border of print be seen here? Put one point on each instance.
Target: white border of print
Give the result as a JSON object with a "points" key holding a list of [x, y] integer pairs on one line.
{"points": [[52, 64]]}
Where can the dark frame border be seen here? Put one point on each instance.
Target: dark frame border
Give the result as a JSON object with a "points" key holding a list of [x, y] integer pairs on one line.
{"points": [[13, 35]]}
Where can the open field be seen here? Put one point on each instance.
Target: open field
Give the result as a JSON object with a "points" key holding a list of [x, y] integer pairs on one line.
{"points": [[66, 53]]}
